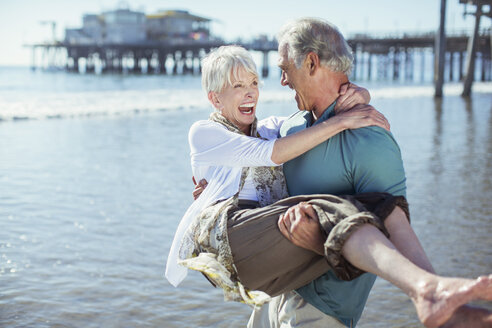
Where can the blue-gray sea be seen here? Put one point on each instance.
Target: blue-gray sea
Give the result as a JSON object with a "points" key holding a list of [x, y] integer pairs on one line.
{"points": [[95, 176]]}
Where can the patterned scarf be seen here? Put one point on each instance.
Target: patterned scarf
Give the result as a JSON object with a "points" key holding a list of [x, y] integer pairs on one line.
{"points": [[269, 181]]}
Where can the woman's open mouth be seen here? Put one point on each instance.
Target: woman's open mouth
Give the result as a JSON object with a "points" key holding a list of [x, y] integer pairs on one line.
{"points": [[247, 109]]}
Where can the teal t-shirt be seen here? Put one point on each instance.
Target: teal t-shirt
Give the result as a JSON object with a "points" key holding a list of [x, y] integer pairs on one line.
{"points": [[351, 162]]}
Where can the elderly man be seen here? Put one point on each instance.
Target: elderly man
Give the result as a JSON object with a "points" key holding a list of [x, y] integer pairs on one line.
{"points": [[315, 61]]}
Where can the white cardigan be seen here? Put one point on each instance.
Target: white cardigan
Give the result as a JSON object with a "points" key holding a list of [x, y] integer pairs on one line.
{"points": [[218, 155]]}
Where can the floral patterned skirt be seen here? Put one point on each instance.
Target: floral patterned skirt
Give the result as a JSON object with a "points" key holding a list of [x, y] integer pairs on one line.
{"points": [[240, 248]]}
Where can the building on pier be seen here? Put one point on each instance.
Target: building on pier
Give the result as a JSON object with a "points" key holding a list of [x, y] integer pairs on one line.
{"points": [[122, 40], [177, 24], [124, 26], [118, 26], [174, 41]]}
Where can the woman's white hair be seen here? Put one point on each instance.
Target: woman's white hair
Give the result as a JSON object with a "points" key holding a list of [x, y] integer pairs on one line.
{"points": [[221, 63], [306, 35]]}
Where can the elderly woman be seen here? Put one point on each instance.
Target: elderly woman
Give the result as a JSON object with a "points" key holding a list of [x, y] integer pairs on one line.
{"points": [[230, 232]]}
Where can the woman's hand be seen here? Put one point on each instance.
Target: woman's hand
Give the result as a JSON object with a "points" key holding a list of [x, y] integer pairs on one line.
{"points": [[361, 116], [351, 95], [199, 187]]}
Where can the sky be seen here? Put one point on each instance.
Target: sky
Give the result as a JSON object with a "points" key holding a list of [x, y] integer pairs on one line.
{"points": [[20, 20]]}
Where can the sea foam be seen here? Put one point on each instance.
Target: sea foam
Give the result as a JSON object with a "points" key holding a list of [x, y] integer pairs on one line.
{"points": [[18, 104]]}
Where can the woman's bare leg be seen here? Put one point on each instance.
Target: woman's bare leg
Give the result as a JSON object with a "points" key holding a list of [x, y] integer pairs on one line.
{"points": [[435, 298], [405, 239]]}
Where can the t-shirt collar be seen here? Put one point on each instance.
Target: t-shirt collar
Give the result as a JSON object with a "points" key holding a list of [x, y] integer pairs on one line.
{"points": [[329, 112]]}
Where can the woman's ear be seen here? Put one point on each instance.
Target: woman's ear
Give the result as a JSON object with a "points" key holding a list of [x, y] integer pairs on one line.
{"points": [[214, 100]]}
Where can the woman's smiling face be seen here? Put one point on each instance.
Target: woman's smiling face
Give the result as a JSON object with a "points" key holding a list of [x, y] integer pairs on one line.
{"points": [[237, 101]]}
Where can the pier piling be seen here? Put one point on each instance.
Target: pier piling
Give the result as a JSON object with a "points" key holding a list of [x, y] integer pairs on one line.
{"points": [[264, 70], [471, 53], [440, 52]]}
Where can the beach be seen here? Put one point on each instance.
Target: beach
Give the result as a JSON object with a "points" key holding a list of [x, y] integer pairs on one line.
{"points": [[95, 176]]}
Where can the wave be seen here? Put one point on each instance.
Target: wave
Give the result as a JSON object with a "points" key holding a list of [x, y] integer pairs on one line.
{"points": [[391, 92], [21, 105], [80, 104], [454, 89]]}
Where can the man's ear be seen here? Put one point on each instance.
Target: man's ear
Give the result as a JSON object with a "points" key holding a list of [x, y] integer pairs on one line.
{"points": [[312, 62], [214, 100]]}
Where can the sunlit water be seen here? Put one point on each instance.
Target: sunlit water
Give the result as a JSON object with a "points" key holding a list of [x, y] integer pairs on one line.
{"points": [[95, 176]]}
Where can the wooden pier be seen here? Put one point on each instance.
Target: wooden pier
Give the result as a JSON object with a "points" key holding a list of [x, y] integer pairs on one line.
{"points": [[385, 57], [150, 57], [397, 55]]}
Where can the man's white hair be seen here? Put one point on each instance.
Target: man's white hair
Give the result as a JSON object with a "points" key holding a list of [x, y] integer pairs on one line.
{"points": [[221, 63], [306, 35]]}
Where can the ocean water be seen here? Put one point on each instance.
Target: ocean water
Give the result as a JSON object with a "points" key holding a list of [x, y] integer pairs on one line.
{"points": [[95, 176]]}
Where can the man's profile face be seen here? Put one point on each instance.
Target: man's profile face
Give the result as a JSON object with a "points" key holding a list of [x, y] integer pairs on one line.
{"points": [[293, 77]]}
